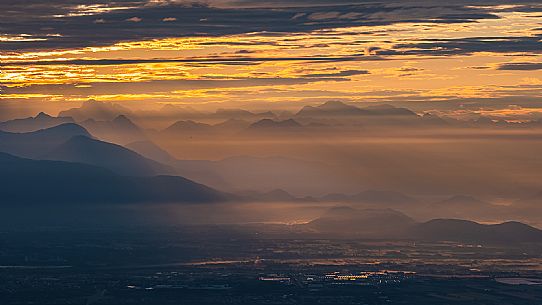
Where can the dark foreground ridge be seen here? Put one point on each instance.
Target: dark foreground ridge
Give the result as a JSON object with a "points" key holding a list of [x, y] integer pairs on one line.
{"points": [[58, 182]]}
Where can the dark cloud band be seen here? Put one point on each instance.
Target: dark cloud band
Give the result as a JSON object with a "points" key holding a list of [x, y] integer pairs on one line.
{"points": [[236, 60], [521, 66], [64, 24]]}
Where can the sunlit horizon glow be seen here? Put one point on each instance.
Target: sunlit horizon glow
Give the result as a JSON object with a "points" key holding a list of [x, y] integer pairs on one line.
{"points": [[399, 62]]}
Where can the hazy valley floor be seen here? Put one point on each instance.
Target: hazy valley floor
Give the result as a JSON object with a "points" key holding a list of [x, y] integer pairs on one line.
{"points": [[236, 265]]}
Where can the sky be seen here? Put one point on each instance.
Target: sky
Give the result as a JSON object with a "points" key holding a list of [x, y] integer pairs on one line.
{"points": [[455, 57]]}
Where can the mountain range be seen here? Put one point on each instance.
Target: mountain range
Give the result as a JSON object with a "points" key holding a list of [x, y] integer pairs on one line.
{"points": [[274, 125], [40, 121], [388, 223], [113, 123], [188, 127], [120, 130], [473, 232], [65, 164], [335, 109], [369, 223], [43, 182], [38, 143], [95, 110], [73, 143], [123, 161]]}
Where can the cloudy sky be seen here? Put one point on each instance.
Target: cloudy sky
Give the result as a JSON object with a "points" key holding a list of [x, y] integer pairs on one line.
{"points": [[468, 56]]}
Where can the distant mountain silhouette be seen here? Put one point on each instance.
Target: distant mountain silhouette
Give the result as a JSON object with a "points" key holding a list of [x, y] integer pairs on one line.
{"points": [[40, 121], [267, 114], [433, 119], [82, 149], [337, 108], [389, 110], [234, 113], [101, 111], [241, 114], [38, 143], [151, 151], [26, 181], [231, 125], [331, 108], [71, 142], [178, 110], [388, 223], [193, 128], [188, 127], [272, 125], [472, 232], [120, 130], [371, 223]]}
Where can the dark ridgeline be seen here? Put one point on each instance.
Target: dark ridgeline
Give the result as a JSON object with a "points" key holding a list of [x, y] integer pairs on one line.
{"points": [[472, 232], [82, 149], [96, 110], [339, 109], [40, 121], [150, 150], [36, 144], [270, 125], [41, 182], [366, 223], [73, 143], [188, 127], [120, 130], [66, 164], [391, 224]]}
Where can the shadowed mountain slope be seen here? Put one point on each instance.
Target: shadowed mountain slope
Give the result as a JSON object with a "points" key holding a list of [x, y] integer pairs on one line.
{"points": [[120, 130], [272, 125], [372, 223], [470, 231], [189, 126], [340, 109], [82, 149], [152, 151], [40, 121], [38, 143], [388, 223], [57, 182], [96, 110]]}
